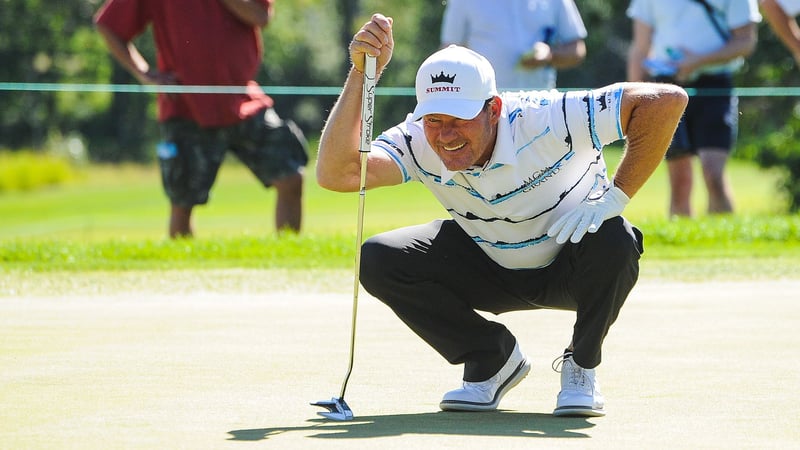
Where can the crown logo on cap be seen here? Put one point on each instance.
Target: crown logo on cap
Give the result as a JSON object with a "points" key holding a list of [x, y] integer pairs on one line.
{"points": [[442, 78]]}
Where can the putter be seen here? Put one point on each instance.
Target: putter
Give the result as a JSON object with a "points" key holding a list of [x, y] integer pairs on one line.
{"points": [[337, 408]]}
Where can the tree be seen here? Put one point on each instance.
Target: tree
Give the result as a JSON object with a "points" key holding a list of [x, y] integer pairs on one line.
{"points": [[38, 48]]}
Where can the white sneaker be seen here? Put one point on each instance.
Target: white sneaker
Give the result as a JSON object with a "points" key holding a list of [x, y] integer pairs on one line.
{"points": [[580, 392], [486, 395]]}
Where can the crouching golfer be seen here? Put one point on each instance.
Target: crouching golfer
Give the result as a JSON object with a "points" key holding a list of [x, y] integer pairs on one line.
{"points": [[535, 218]]}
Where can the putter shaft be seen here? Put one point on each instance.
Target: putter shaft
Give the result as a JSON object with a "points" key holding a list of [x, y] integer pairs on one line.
{"points": [[337, 408]]}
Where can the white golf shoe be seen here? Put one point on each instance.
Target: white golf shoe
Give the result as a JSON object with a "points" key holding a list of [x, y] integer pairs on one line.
{"points": [[486, 395], [580, 392]]}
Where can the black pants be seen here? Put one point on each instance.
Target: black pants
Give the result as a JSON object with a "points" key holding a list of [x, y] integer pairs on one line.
{"points": [[434, 277]]}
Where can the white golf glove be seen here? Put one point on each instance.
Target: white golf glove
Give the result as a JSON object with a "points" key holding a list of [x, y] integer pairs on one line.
{"points": [[588, 216]]}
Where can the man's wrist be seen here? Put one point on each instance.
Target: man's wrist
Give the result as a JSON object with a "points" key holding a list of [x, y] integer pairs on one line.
{"points": [[618, 195]]}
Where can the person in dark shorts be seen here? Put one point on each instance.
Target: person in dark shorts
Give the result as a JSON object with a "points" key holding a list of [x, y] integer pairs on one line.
{"points": [[209, 43], [698, 44]]}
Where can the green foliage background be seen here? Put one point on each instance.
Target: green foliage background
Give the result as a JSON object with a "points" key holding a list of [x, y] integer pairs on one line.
{"points": [[305, 46]]}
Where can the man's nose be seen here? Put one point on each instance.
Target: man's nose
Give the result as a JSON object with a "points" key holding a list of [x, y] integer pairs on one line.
{"points": [[447, 132]]}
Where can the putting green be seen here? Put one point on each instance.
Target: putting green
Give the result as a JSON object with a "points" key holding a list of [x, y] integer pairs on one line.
{"points": [[231, 359]]}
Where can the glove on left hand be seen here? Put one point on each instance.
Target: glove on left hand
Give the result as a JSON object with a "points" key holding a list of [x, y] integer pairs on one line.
{"points": [[588, 216]]}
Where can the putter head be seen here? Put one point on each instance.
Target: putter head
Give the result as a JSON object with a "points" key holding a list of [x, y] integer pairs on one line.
{"points": [[337, 409]]}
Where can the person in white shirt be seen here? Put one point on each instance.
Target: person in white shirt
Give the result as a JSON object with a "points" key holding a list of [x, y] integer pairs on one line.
{"points": [[526, 41], [698, 44], [535, 217]]}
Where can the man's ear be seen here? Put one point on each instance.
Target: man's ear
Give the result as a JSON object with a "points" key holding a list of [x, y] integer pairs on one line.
{"points": [[496, 106]]}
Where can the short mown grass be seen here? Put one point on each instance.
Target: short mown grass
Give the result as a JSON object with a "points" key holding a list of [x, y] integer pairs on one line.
{"points": [[115, 219]]}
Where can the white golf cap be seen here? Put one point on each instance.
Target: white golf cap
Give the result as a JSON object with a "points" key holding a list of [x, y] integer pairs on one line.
{"points": [[455, 81]]}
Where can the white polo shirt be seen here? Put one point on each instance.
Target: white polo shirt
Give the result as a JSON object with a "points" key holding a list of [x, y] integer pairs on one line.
{"points": [[504, 30], [679, 24], [546, 161], [790, 7]]}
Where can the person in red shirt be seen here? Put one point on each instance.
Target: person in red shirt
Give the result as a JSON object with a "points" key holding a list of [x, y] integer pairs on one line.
{"points": [[209, 43]]}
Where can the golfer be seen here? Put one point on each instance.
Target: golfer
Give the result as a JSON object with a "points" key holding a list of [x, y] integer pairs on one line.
{"points": [[535, 217]]}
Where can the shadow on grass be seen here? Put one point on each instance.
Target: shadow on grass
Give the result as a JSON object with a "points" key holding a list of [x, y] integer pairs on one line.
{"points": [[499, 423]]}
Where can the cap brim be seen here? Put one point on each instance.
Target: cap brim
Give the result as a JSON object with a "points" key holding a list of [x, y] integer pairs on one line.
{"points": [[460, 108]]}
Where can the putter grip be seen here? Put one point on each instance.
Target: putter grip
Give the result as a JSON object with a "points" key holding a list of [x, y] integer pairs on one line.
{"points": [[368, 103]]}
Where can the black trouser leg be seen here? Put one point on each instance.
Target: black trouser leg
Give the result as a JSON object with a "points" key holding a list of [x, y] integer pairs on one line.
{"points": [[434, 277], [593, 278]]}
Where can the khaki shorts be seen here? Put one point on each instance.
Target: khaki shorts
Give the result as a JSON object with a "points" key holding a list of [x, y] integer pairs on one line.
{"points": [[190, 156]]}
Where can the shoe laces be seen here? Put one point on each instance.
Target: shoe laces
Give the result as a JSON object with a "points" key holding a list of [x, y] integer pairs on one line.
{"points": [[576, 375], [559, 361]]}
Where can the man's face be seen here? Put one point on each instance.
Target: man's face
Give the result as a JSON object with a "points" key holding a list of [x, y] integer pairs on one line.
{"points": [[461, 143]]}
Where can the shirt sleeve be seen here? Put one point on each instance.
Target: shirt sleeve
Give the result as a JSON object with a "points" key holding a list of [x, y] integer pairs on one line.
{"points": [[639, 10], [790, 7], [126, 19], [589, 119], [742, 13], [396, 143], [570, 26]]}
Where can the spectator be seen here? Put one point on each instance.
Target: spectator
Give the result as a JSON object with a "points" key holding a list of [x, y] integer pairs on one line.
{"points": [[202, 43], [525, 41], [698, 44]]}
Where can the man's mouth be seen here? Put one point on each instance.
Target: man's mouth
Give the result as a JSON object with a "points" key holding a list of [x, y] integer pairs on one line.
{"points": [[454, 148]]}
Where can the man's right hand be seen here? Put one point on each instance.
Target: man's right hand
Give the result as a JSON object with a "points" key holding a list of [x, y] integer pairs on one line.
{"points": [[375, 38], [540, 55]]}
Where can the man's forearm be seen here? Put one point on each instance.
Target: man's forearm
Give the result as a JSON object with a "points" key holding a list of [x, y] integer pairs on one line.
{"points": [[742, 43], [338, 160], [125, 54], [650, 119], [568, 55]]}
